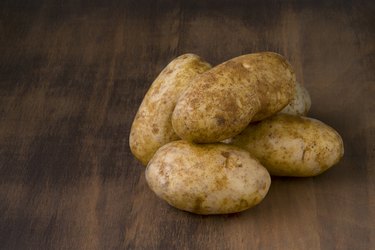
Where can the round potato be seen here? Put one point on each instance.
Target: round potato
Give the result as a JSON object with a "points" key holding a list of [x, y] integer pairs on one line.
{"points": [[290, 145], [222, 101], [152, 126], [300, 104], [207, 178]]}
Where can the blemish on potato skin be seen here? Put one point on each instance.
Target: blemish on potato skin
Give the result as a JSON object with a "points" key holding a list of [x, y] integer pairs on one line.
{"points": [[303, 155], [198, 204], [244, 203], [225, 154], [221, 183], [207, 85], [168, 71], [155, 129], [255, 200], [230, 106], [220, 120]]}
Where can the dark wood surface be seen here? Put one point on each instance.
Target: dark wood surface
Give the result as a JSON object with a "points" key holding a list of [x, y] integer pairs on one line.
{"points": [[72, 74]]}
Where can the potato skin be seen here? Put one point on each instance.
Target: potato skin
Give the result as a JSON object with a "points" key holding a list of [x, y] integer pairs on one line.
{"points": [[152, 127], [290, 145], [221, 102], [207, 178], [300, 104]]}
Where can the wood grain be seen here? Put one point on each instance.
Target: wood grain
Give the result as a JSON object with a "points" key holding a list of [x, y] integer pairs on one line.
{"points": [[73, 73]]}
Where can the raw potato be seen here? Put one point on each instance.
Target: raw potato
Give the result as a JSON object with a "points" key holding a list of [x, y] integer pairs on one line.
{"points": [[207, 178], [292, 145], [221, 102], [301, 103], [152, 127]]}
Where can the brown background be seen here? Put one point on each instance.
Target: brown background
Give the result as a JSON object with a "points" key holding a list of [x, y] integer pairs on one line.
{"points": [[72, 74]]}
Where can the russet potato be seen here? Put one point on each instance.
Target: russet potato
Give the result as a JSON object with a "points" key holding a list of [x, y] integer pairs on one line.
{"points": [[152, 126], [300, 104], [207, 178], [290, 145], [222, 101]]}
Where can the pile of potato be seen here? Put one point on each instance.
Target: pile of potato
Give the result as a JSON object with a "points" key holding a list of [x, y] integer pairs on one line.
{"points": [[211, 136]]}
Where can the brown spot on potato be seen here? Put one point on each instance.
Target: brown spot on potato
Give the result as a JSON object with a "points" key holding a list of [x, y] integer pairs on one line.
{"points": [[303, 154], [221, 183], [207, 85], [198, 204], [161, 169], [225, 154], [155, 129], [255, 200], [166, 184], [224, 202], [244, 203], [220, 120], [169, 71], [230, 106], [226, 164]]}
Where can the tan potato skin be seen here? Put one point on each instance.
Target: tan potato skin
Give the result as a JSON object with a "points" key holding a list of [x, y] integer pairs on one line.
{"points": [[207, 178], [221, 102], [152, 127], [300, 104], [290, 145]]}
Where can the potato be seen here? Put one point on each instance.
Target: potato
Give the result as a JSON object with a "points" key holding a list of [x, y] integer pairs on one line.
{"points": [[152, 127], [300, 104], [290, 145], [221, 102], [207, 178]]}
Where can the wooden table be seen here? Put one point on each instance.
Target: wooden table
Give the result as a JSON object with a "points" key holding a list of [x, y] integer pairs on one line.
{"points": [[72, 74]]}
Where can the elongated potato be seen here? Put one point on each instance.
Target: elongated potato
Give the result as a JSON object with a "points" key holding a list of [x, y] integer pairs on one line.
{"points": [[221, 102], [300, 104], [152, 127], [207, 178], [290, 145]]}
